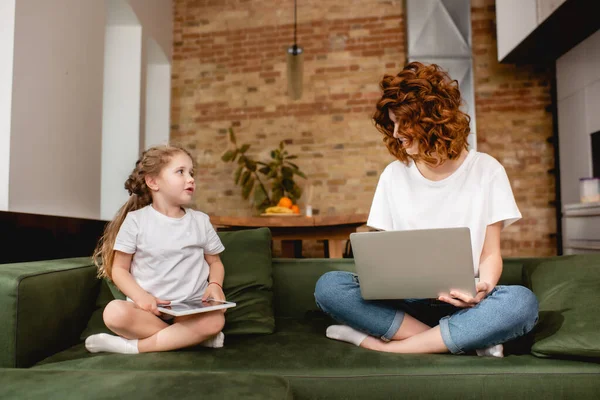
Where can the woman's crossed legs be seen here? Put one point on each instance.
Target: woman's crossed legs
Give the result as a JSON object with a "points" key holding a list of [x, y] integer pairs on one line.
{"points": [[424, 325]]}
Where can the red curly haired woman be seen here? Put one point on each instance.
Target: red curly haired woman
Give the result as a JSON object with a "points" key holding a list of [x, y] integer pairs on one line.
{"points": [[436, 182]]}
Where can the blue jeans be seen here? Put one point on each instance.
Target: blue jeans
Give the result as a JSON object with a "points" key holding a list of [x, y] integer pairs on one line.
{"points": [[506, 313]]}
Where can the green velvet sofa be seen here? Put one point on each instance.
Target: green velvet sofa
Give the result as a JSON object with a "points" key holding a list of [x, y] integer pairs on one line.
{"points": [[47, 309]]}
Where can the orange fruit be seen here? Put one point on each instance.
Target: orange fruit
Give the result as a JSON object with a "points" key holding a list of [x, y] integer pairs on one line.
{"points": [[296, 209], [285, 202]]}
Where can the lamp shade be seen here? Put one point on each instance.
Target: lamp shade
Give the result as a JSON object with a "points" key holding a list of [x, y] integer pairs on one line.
{"points": [[295, 75]]}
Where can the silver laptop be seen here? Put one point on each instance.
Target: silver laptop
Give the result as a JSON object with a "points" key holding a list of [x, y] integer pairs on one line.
{"points": [[413, 264]]}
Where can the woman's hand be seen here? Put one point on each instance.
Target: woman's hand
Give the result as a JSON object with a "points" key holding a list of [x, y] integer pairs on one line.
{"points": [[462, 300], [214, 291], [150, 303]]}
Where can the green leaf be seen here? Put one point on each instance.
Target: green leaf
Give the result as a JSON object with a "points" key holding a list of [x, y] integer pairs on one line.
{"points": [[245, 177], [273, 154], [288, 184], [291, 157], [277, 184], [247, 188], [292, 164], [299, 173], [260, 196], [242, 160], [231, 136], [287, 172], [227, 156], [238, 174], [251, 165], [276, 194], [265, 170], [281, 145], [296, 192], [244, 148]]}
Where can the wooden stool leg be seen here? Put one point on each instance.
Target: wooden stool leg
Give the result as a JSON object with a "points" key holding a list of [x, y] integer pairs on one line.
{"points": [[291, 248], [336, 248]]}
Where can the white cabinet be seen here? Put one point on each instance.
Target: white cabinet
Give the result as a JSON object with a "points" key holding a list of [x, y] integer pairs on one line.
{"points": [[515, 20], [581, 228]]}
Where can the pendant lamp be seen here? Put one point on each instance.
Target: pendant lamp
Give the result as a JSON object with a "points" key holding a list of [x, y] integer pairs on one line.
{"points": [[295, 61]]}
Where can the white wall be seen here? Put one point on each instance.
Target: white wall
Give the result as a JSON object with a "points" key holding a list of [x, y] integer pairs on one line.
{"points": [[57, 107], [158, 96], [51, 161], [515, 20], [7, 36], [137, 90], [156, 16], [578, 92], [121, 113]]}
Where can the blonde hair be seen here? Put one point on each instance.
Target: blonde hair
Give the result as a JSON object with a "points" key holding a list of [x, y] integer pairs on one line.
{"points": [[150, 163]]}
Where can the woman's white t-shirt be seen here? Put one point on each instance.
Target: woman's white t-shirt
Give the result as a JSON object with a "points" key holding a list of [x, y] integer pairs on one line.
{"points": [[168, 253], [476, 195]]}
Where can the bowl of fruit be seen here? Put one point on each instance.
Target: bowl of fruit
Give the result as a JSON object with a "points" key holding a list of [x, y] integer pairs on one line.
{"points": [[284, 208]]}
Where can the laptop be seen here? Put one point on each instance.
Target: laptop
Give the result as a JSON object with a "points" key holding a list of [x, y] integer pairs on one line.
{"points": [[413, 264]]}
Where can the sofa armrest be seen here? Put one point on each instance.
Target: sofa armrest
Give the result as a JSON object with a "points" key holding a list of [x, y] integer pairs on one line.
{"points": [[44, 307]]}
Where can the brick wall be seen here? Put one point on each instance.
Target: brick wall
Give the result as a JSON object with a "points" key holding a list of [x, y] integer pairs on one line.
{"points": [[514, 121], [229, 69]]}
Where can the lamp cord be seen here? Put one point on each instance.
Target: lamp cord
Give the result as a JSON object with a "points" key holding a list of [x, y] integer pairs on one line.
{"points": [[295, 46]]}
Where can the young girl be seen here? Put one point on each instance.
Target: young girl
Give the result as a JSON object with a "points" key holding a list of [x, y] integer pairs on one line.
{"points": [[435, 183], [158, 252]]}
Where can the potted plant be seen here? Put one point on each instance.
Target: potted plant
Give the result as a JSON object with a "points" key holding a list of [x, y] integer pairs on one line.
{"points": [[270, 184]]}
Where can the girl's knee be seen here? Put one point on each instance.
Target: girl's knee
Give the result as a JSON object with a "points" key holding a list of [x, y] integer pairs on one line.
{"points": [[212, 324], [117, 314]]}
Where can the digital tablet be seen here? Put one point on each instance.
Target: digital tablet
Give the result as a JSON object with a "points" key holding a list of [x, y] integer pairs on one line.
{"points": [[187, 308]]}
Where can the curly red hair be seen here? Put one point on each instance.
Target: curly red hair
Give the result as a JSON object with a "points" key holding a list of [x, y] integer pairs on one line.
{"points": [[426, 103]]}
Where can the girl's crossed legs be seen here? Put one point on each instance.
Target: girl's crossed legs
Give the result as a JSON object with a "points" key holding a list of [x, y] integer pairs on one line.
{"points": [[152, 333], [424, 325]]}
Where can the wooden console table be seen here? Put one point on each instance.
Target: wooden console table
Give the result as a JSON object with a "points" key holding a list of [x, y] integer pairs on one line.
{"points": [[292, 230]]}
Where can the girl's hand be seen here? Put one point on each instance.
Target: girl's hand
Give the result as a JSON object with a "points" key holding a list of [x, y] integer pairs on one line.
{"points": [[150, 303], [213, 291], [462, 300]]}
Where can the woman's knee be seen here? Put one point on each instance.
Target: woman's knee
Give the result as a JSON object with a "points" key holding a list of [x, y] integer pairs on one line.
{"points": [[329, 286], [117, 314], [524, 306]]}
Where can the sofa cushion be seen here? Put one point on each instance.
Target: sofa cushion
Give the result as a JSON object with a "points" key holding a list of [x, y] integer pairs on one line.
{"points": [[96, 323], [567, 288], [248, 282], [38, 384], [321, 368], [45, 306]]}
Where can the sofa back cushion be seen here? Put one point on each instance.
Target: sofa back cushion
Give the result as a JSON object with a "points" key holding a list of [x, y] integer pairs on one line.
{"points": [[568, 291], [295, 280], [248, 282]]}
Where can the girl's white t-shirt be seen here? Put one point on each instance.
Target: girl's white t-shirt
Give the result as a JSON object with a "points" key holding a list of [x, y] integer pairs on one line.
{"points": [[168, 253], [476, 195]]}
